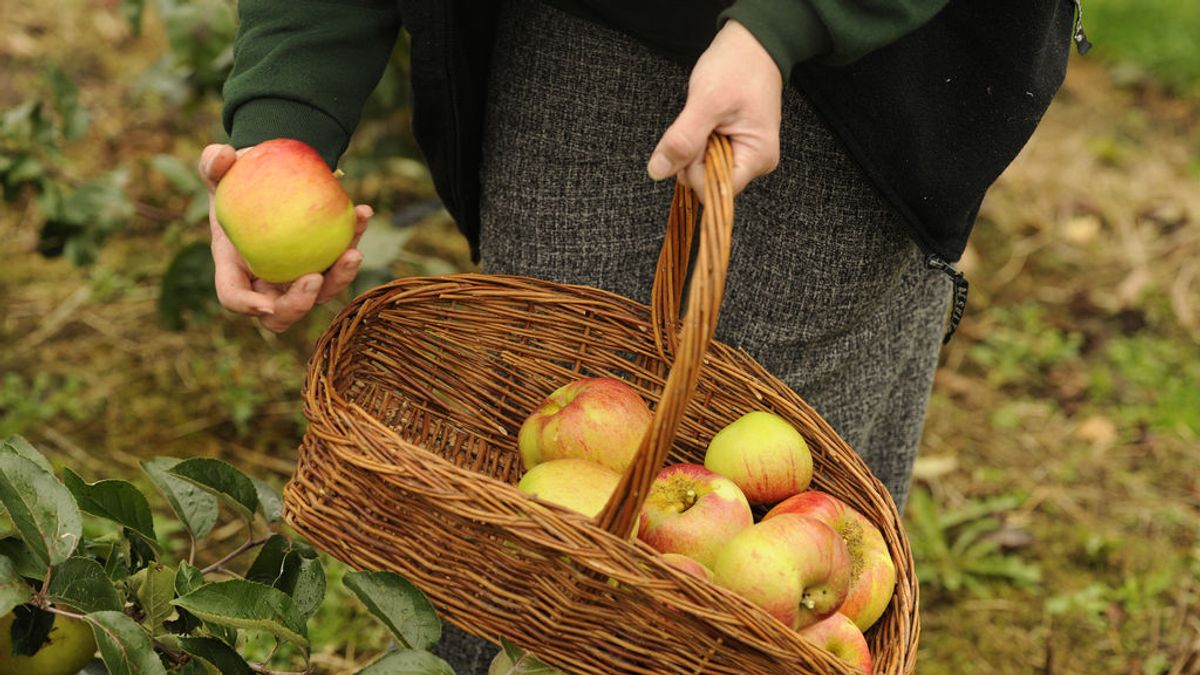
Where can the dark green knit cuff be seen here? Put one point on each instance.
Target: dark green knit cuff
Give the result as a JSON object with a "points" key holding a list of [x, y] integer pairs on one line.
{"points": [[262, 119], [789, 30]]}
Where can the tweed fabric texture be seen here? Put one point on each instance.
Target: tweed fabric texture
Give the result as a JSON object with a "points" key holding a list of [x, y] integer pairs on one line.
{"points": [[824, 287]]}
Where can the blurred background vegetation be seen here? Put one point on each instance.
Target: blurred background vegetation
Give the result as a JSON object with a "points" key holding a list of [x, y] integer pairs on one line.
{"points": [[1056, 514]]}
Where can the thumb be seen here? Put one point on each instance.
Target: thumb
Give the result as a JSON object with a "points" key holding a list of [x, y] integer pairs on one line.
{"points": [[682, 144], [214, 162]]}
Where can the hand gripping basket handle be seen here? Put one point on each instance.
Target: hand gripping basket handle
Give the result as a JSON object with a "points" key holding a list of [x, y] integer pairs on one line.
{"points": [[688, 347]]}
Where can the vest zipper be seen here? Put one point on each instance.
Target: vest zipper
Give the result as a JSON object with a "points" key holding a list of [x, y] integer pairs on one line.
{"points": [[1082, 44], [936, 262]]}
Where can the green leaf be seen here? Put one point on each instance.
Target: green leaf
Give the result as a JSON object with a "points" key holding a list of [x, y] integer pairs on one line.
{"points": [[115, 500], [270, 502], [17, 445], [74, 117], [269, 563], [513, 660], [24, 561], [182, 176], [188, 578], [303, 578], [155, 595], [247, 605], [221, 479], [196, 508], [408, 662], [13, 589], [219, 655], [133, 10], [81, 583], [41, 508], [124, 646], [402, 607], [187, 287]]}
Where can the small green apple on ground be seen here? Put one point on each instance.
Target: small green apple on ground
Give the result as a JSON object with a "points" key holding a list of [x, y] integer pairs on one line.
{"points": [[599, 419], [764, 455], [284, 210]]}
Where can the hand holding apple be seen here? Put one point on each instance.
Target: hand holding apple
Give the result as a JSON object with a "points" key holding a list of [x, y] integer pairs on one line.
{"points": [[693, 511], [872, 572], [764, 455], [599, 419]]}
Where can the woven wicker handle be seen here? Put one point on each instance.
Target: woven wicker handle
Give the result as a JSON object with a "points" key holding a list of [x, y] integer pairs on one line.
{"points": [[688, 349]]}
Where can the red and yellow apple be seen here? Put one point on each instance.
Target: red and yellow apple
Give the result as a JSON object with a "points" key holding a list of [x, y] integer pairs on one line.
{"points": [[692, 511], [689, 566], [284, 210], [577, 484], [839, 636], [794, 567], [598, 419], [764, 455], [872, 572]]}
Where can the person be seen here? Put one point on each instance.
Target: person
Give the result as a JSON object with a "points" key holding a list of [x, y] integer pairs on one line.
{"points": [[865, 134]]}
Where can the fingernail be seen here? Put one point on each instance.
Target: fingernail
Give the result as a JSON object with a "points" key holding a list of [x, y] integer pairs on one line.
{"points": [[659, 167], [312, 285], [263, 309], [353, 262]]}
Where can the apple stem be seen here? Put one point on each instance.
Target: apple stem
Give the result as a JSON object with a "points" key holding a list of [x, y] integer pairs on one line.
{"points": [[807, 602], [689, 499]]}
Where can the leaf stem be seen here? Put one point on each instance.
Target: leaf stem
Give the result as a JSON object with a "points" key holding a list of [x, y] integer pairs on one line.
{"points": [[250, 543], [259, 668], [191, 548], [63, 612]]}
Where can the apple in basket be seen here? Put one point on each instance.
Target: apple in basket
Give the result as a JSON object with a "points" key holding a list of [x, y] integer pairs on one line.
{"points": [[577, 484], [872, 572], [839, 636], [692, 511], [794, 567], [600, 419], [688, 565], [764, 455], [284, 211]]}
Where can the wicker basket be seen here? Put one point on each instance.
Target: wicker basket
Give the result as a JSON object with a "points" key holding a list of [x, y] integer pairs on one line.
{"points": [[415, 395]]}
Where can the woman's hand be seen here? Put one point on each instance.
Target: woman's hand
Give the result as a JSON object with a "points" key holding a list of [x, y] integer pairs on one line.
{"points": [[735, 89], [277, 306]]}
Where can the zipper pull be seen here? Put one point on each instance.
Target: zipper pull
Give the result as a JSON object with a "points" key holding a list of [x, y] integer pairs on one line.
{"points": [[960, 292], [1082, 44]]}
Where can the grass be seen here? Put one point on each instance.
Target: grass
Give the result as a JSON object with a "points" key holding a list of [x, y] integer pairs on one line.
{"points": [[1056, 513]]}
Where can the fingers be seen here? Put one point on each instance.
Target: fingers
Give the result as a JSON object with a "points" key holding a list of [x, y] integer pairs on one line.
{"points": [[294, 304], [684, 141], [232, 280], [214, 162], [340, 275], [753, 158]]}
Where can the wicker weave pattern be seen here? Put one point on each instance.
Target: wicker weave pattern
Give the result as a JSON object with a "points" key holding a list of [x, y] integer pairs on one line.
{"points": [[415, 395]]}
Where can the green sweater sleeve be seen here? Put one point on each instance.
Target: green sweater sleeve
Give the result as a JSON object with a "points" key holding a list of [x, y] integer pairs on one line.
{"points": [[303, 69], [833, 31]]}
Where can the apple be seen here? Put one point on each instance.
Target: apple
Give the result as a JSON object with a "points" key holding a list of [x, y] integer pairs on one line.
{"points": [[67, 649], [600, 419], [284, 211], [794, 567], [764, 455], [692, 511], [689, 566], [577, 484], [839, 636], [872, 572]]}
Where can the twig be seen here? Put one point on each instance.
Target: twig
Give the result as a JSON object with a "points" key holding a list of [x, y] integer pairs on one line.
{"points": [[246, 545], [259, 668]]}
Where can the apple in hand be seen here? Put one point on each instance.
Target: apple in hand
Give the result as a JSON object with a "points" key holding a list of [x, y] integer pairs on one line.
{"points": [[764, 455], [692, 511], [872, 572], [600, 419], [794, 567], [284, 210], [839, 636], [577, 484]]}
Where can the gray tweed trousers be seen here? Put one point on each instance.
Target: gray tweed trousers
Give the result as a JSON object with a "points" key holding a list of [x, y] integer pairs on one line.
{"points": [[824, 287]]}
